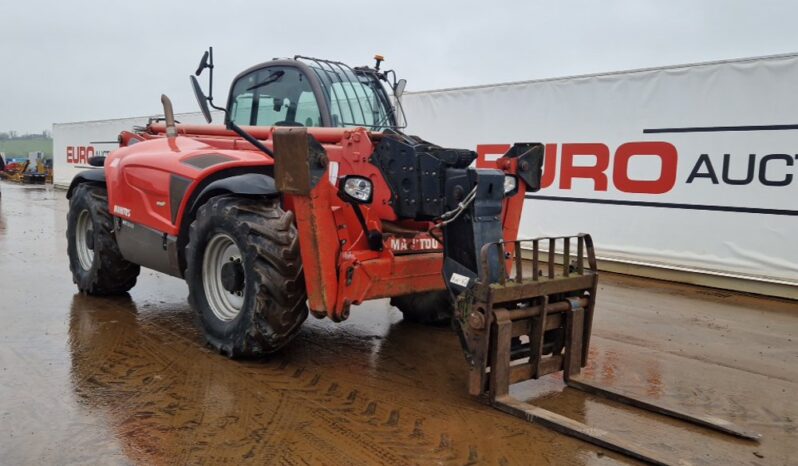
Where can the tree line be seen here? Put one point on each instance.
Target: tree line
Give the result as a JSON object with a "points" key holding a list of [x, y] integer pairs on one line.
{"points": [[12, 135]]}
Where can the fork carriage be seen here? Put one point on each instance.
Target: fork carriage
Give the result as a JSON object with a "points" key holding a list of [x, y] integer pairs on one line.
{"points": [[551, 308]]}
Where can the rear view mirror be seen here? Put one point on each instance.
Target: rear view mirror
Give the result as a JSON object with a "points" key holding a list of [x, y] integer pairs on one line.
{"points": [[201, 99], [203, 64], [399, 89]]}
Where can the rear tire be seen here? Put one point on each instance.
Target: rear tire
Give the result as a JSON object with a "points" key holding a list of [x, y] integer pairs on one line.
{"points": [[97, 265], [430, 307], [244, 274]]}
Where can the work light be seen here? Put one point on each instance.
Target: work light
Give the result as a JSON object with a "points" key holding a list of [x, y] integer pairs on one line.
{"points": [[357, 188]]}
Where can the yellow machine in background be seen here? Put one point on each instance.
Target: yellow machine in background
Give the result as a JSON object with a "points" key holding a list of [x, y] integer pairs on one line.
{"points": [[20, 173], [43, 169]]}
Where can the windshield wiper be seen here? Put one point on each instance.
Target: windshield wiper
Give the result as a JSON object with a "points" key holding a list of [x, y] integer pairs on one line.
{"points": [[272, 78]]}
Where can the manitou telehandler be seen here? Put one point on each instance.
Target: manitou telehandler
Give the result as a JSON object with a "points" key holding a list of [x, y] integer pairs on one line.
{"points": [[311, 198]]}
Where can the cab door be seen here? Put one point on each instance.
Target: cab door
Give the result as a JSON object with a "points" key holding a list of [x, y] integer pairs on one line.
{"points": [[274, 96]]}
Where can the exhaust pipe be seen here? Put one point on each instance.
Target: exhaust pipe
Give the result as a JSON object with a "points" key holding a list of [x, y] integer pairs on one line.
{"points": [[169, 116]]}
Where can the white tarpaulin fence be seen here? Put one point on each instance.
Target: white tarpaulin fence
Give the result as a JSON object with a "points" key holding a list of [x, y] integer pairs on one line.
{"points": [[691, 167]]}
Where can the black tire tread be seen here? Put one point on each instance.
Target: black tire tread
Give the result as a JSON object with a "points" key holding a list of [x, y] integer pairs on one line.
{"points": [[273, 247], [113, 274]]}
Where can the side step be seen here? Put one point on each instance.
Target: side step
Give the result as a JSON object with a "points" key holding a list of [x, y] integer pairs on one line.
{"points": [[553, 309]]}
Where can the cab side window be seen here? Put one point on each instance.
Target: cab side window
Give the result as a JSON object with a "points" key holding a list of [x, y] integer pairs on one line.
{"points": [[274, 96]]}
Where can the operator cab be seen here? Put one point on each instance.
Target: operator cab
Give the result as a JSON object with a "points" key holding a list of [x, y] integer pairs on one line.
{"points": [[308, 92]]}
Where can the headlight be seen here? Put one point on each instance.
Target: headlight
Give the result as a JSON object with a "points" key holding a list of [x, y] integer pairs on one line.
{"points": [[510, 184], [357, 188]]}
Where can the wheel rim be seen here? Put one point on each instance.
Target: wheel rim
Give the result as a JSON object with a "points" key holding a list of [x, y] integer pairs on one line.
{"points": [[84, 233], [226, 305]]}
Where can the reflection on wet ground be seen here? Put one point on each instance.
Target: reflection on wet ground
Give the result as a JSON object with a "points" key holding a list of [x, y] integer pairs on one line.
{"points": [[128, 380]]}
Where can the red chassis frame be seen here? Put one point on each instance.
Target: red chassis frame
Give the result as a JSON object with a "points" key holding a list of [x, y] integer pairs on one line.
{"points": [[339, 267]]}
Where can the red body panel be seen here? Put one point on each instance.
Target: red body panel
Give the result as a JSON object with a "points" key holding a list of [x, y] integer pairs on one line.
{"points": [[138, 177]]}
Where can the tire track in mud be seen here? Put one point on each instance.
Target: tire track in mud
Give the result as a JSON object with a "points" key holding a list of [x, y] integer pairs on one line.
{"points": [[153, 388], [362, 422], [396, 432], [124, 387], [170, 400], [347, 420]]}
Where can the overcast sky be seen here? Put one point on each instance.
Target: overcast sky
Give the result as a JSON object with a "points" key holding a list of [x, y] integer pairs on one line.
{"points": [[63, 61]]}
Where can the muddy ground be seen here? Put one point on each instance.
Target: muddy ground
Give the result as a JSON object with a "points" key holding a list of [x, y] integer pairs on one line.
{"points": [[128, 380]]}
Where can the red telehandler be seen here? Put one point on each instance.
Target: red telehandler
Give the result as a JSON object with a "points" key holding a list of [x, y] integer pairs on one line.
{"points": [[311, 198]]}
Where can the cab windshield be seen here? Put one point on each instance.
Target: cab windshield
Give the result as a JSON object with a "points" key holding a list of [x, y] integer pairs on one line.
{"points": [[354, 97]]}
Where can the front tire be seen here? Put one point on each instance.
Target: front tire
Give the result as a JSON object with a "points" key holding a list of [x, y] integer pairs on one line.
{"points": [[244, 274], [97, 265]]}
